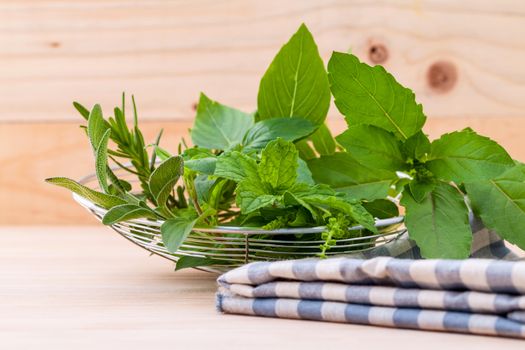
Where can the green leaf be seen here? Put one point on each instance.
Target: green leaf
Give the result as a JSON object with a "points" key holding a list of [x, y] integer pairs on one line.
{"points": [[345, 174], [371, 95], [295, 84], [162, 153], [279, 162], [440, 223], [420, 189], [175, 231], [217, 126], [306, 152], [373, 147], [235, 166], [202, 165], [185, 262], [104, 200], [416, 146], [101, 161], [323, 141], [382, 208], [500, 202], [125, 212], [464, 156], [96, 127], [252, 195], [304, 175], [164, 178], [84, 112], [289, 129]]}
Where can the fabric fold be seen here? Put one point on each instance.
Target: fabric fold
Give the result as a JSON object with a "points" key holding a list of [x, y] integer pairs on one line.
{"points": [[477, 296]]}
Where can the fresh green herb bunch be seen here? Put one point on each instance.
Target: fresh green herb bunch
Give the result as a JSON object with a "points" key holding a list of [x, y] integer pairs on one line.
{"points": [[280, 166]]}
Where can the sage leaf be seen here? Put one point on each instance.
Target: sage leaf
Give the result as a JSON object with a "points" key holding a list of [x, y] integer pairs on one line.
{"points": [[500, 202], [373, 147], [463, 156], [217, 126], [440, 223], [164, 178], [175, 231], [104, 200], [370, 95], [96, 127], [289, 129], [295, 84], [343, 173], [125, 212], [101, 161]]}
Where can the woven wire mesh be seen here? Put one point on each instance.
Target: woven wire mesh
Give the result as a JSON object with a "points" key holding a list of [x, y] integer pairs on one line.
{"points": [[229, 246]]}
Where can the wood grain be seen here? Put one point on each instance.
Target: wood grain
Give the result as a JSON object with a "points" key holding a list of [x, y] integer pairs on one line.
{"points": [[85, 288], [29, 153], [167, 51]]}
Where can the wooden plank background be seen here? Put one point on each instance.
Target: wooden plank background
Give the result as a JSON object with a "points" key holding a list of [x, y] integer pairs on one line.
{"points": [[463, 59]]}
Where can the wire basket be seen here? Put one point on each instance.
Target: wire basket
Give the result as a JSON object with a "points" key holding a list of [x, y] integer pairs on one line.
{"points": [[230, 247]]}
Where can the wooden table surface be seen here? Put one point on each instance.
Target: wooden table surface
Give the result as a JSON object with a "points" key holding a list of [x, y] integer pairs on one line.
{"points": [[86, 287]]}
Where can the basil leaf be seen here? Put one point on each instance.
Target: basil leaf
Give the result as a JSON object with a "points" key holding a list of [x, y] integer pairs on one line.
{"points": [[466, 156], [371, 95], [217, 126], [440, 223], [295, 84], [382, 208], [185, 262], [500, 202], [104, 200], [345, 174], [323, 141], [175, 231], [416, 146], [235, 166], [164, 178], [279, 162], [126, 212], [373, 147], [289, 129], [420, 189]]}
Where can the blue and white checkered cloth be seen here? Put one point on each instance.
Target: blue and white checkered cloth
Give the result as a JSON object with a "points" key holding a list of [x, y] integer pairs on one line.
{"points": [[478, 295]]}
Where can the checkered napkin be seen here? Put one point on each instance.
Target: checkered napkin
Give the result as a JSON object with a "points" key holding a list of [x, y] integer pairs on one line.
{"points": [[478, 295]]}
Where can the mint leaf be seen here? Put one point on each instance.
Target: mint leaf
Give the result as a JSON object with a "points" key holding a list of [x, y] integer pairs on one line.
{"points": [[304, 175], [252, 194], [235, 166], [279, 162], [289, 129], [125, 212], [440, 223], [101, 161], [164, 178], [373, 147], [416, 146], [175, 231], [382, 208], [464, 156], [323, 141], [500, 202], [217, 126], [345, 174], [371, 95], [104, 200], [295, 84]]}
